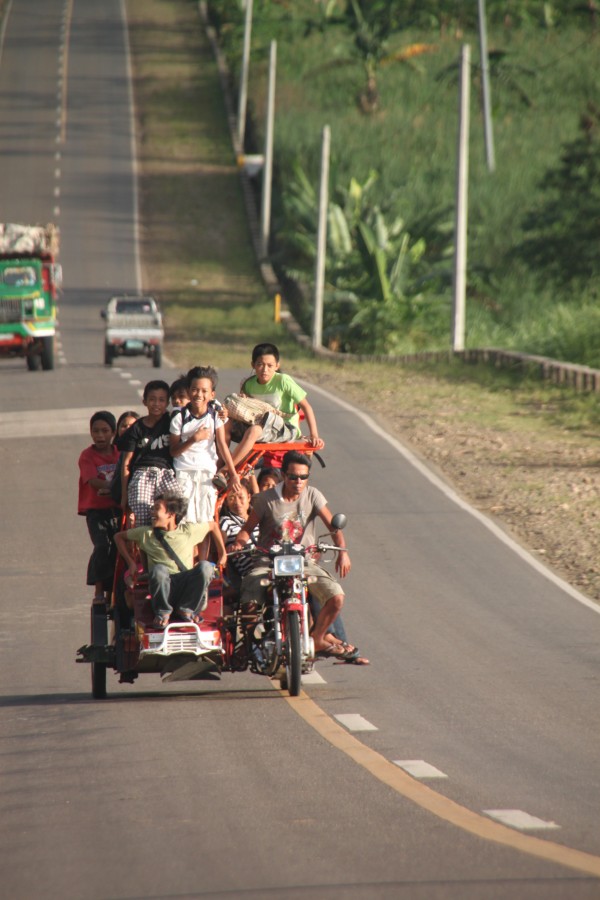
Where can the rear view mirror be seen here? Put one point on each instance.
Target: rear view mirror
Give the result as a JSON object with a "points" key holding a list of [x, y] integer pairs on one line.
{"points": [[339, 522]]}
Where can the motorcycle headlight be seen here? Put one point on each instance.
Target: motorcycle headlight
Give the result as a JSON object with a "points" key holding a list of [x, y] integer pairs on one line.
{"points": [[288, 565]]}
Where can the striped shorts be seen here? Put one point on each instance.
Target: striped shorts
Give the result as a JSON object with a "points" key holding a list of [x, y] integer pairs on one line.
{"points": [[143, 487]]}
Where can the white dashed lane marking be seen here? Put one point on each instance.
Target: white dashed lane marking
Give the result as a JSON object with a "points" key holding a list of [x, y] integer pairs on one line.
{"points": [[520, 820], [59, 349], [354, 722], [313, 678], [134, 382], [418, 768]]}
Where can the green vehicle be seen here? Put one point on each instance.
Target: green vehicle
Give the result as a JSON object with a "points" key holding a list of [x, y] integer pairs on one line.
{"points": [[30, 278]]}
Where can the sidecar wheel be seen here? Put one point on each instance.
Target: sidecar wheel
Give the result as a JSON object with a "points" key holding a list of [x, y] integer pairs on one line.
{"points": [[99, 681], [99, 623], [293, 656]]}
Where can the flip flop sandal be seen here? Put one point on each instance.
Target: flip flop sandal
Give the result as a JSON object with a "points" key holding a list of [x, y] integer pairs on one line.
{"points": [[188, 617], [354, 657], [354, 661], [160, 622], [220, 482], [336, 652]]}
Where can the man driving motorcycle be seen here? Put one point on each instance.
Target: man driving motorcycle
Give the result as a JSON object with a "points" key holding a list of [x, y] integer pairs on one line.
{"points": [[288, 512]]}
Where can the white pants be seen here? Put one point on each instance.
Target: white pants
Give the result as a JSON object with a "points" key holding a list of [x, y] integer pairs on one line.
{"points": [[201, 495]]}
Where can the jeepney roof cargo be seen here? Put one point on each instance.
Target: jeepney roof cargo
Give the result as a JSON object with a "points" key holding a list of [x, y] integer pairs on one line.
{"points": [[28, 240]]}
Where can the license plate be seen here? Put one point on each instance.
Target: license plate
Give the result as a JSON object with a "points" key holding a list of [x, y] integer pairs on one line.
{"points": [[7, 337], [135, 345]]}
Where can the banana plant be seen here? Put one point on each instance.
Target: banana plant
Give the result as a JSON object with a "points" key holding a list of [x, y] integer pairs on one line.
{"points": [[378, 283], [370, 26]]}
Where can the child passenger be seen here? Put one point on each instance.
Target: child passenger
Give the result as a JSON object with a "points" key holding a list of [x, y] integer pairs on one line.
{"points": [[233, 517], [147, 468], [197, 440], [125, 420], [97, 465], [262, 479], [268, 477], [178, 584], [285, 396], [179, 393]]}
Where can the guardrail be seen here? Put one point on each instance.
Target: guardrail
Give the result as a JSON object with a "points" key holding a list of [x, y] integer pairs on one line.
{"points": [[577, 377], [581, 378]]}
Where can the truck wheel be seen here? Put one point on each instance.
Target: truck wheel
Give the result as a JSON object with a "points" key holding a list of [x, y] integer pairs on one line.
{"points": [[157, 357], [108, 354], [33, 361], [47, 353]]}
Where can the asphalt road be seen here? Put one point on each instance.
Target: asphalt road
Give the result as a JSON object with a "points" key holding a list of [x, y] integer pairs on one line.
{"points": [[481, 703]]}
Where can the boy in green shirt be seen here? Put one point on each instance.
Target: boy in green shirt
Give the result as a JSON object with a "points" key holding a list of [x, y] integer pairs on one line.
{"points": [[285, 396]]}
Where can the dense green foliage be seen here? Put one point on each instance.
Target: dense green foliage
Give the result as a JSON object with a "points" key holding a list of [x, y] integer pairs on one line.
{"points": [[384, 74]]}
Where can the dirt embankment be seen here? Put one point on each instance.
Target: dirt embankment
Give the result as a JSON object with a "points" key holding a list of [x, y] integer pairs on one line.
{"points": [[510, 461]]}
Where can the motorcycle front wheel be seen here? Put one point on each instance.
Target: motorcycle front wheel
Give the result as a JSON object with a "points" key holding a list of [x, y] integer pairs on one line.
{"points": [[293, 655]]}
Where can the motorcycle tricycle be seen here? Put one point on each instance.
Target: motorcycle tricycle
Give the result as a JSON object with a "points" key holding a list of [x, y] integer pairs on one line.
{"points": [[270, 640]]}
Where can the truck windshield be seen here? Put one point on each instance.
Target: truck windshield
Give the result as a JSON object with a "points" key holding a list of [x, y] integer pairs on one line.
{"points": [[19, 276], [131, 307]]}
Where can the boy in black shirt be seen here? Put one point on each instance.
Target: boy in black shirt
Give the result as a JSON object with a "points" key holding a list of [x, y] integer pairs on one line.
{"points": [[147, 462]]}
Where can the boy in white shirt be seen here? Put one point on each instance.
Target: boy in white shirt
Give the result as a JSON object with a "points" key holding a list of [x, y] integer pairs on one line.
{"points": [[197, 441]]}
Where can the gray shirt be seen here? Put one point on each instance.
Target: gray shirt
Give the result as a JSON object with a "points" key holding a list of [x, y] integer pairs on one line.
{"points": [[280, 520]]}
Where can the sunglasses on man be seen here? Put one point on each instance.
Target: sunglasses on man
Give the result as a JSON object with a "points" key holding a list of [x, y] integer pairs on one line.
{"points": [[296, 477]]}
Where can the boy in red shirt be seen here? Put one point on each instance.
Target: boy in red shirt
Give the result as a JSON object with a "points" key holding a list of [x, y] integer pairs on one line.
{"points": [[97, 466]]}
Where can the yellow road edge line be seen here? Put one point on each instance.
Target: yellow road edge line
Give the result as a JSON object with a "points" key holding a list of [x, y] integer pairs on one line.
{"points": [[428, 799]]}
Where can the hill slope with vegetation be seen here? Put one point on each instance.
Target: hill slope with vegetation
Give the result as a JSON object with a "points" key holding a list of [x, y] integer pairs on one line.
{"points": [[384, 77]]}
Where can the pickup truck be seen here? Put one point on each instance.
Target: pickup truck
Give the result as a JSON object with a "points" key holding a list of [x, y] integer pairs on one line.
{"points": [[133, 328], [30, 279]]}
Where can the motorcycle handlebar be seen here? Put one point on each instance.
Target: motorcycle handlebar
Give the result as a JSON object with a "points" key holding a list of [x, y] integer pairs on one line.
{"points": [[319, 547]]}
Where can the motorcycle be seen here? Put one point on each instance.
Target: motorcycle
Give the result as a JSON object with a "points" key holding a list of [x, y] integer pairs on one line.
{"points": [[277, 637]]}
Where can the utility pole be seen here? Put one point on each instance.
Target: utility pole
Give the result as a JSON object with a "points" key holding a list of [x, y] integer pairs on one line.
{"points": [[267, 175], [485, 82], [462, 190], [317, 334], [243, 98]]}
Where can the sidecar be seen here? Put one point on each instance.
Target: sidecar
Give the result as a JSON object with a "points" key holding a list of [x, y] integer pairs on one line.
{"points": [[124, 639]]}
